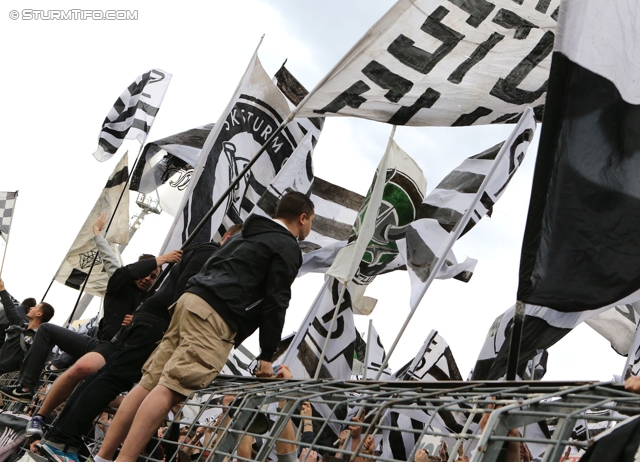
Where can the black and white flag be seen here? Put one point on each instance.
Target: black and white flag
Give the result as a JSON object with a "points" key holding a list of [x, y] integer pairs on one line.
{"points": [[255, 111], [445, 206], [433, 363], [618, 325], [375, 357], [303, 355], [445, 63], [74, 270], [238, 363], [166, 166], [581, 242], [542, 328], [133, 113], [7, 205]]}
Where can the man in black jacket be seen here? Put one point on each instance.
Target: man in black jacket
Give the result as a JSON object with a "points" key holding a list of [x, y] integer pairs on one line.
{"points": [[244, 286], [125, 290], [123, 369], [24, 323]]}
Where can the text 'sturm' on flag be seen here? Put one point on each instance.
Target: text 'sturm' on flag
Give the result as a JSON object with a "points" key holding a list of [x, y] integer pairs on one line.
{"points": [[255, 112], [445, 63], [581, 247], [133, 113]]}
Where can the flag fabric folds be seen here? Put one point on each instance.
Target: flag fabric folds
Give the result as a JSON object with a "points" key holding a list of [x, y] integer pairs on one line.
{"points": [[133, 113], [166, 166], [255, 111], [74, 270], [445, 206], [7, 205], [433, 363], [543, 327], [618, 325], [444, 63], [581, 247], [375, 357]]}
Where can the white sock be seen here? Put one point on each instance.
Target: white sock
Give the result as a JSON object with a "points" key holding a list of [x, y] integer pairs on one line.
{"points": [[100, 459]]}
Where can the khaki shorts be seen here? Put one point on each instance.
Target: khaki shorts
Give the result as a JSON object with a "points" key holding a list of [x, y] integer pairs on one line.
{"points": [[193, 350]]}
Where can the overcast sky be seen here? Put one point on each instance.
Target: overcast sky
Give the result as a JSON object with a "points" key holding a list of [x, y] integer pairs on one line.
{"points": [[62, 77]]}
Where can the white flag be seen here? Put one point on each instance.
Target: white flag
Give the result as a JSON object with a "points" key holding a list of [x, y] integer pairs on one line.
{"points": [[446, 63], [75, 267], [7, 204], [255, 111]]}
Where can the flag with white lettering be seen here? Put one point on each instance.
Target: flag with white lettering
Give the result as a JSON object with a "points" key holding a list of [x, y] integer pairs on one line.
{"points": [[133, 113], [83, 256], [445, 63], [7, 205], [166, 166], [581, 243]]}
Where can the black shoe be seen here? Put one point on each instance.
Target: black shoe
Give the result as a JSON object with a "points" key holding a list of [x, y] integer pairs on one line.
{"points": [[16, 393]]}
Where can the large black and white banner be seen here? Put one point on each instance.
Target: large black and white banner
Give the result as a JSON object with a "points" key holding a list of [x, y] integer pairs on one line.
{"points": [[7, 205], [445, 63], [445, 206], [255, 111], [133, 113], [581, 242], [166, 166], [75, 267]]}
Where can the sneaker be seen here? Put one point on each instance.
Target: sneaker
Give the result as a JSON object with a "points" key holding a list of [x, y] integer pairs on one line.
{"points": [[35, 427], [16, 393], [56, 455]]}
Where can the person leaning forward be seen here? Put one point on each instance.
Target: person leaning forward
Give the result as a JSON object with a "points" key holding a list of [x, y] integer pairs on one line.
{"points": [[244, 286]]}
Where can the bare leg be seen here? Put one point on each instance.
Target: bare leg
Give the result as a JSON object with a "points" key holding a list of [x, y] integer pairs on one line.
{"points": [[122, 422], [152, 412], [67, 382]]}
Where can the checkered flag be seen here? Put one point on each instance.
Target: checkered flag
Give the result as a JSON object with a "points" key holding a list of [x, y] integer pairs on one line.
{"points": [[7, 204]]}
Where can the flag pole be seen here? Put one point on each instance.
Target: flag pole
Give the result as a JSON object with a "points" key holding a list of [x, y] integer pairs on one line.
{"points": [[632, 356], [333, 321], [6, 244], [455, 234], [95, 257], [366, 352], [515, 340]]}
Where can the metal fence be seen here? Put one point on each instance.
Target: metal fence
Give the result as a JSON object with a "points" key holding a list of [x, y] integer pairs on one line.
{"points": [[251, 419]]}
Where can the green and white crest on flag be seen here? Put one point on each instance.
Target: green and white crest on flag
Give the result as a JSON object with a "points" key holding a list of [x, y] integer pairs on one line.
{"points": [[404, 191]]}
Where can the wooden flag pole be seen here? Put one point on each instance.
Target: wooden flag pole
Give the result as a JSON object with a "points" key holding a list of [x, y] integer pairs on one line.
{"points": [[6, 244]]}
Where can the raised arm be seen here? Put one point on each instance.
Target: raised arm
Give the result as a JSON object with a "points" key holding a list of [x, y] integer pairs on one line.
{"points": [[110, 260], [14, 315]]}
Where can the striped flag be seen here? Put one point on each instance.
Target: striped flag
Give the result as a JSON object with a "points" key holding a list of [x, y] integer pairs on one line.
{"points": [[238, 362], [7, 205], [375, 357], [133, 113], [448, 202]]}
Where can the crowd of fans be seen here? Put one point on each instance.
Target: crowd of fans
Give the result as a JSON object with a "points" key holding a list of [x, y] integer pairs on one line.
{"points": [[174, 341]]}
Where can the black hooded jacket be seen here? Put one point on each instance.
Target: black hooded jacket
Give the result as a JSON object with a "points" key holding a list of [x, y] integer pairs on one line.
{"points": [[248, 281]]}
